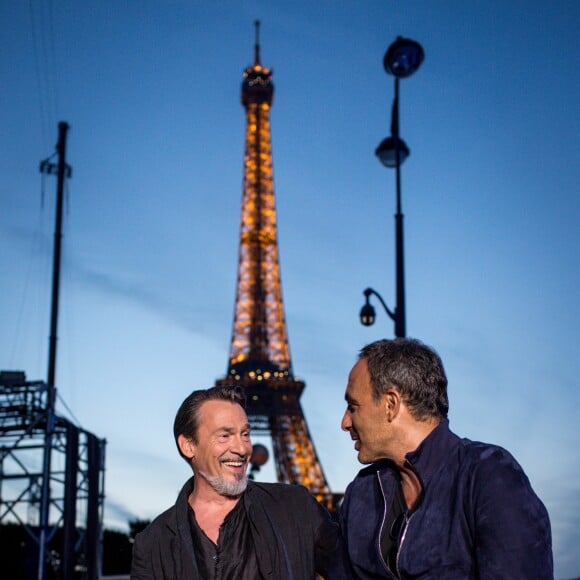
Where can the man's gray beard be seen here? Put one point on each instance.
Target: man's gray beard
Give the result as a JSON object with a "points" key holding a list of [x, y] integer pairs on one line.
{"points": [[226, 487]]}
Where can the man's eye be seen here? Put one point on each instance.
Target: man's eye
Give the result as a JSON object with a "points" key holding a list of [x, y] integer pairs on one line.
{"points": [[350, 408]]}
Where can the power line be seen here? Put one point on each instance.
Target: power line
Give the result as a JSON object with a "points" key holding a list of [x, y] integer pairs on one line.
{"points": [[43, 44]]}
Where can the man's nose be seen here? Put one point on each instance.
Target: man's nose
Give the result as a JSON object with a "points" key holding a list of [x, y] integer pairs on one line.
{"points": [[346, 422], [241, 445]]}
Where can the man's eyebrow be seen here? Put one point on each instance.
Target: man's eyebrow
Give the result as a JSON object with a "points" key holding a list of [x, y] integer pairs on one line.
{"points": [[232, 430]]}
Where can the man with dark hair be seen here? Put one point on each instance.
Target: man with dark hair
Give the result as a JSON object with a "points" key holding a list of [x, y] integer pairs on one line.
{"points": [[222, 525], [430, 505]]}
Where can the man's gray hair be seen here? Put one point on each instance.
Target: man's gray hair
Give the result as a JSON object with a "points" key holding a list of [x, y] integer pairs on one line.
{"points": [[414, 369]]}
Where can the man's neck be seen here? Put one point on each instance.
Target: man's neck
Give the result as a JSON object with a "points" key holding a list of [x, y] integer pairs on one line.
{"points": [[203, 494], [414, 434], [210, 508], [411, 485]]}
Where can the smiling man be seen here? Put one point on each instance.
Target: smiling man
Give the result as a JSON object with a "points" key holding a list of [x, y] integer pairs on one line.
{"points": [[430, 505], [222, 525]]}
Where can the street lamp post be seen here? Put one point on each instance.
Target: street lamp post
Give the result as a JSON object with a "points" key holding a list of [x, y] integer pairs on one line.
{"points": [[401, 60]]}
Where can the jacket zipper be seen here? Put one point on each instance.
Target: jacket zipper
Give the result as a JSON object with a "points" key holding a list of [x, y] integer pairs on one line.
{"points": [[403, 535], [382, 523]]}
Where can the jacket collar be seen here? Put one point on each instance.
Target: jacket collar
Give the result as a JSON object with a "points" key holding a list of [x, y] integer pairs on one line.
{"points": [[427, 458], [265, 535], [182, 530], [182, 504]]}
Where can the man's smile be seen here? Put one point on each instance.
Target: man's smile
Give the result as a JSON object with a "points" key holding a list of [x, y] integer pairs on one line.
{"points": [[236, 465]]}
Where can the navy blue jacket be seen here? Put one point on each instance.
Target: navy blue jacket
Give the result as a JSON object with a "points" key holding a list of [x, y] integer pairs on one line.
{"points": [[477, 517]]}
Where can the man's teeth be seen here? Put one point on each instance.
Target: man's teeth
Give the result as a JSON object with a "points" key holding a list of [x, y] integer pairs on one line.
{"points": [[234, 463]]}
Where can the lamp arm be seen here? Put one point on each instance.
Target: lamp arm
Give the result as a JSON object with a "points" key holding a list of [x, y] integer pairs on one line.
{"points": [[370, 291]]}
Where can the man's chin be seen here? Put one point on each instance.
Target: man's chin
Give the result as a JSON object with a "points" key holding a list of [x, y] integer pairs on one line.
{"points": [[362, 458], [227, 487]]}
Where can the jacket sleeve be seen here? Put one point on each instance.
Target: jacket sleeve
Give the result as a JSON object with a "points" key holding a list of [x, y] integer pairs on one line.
{"points": [[141, 568], [339, 567], [293, 534], [512, 537], [325, 532], [325, 541]]}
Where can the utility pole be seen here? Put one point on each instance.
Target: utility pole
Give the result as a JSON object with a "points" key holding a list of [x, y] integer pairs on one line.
{"points": [[62, 171]]}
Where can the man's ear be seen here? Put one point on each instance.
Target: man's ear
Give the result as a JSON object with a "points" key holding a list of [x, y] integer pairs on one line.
{"points": [[392, 400], [186, 446]]}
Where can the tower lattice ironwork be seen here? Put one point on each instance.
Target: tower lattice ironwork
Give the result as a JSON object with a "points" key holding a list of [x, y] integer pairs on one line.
{"points": [[259, 359]]}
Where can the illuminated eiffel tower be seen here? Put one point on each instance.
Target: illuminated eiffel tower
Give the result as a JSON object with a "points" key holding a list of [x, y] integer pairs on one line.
{"points": [[259, 359]]}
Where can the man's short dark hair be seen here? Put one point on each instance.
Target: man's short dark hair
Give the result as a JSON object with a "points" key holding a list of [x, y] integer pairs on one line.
{"points": [[414, 369], [187, 418]]}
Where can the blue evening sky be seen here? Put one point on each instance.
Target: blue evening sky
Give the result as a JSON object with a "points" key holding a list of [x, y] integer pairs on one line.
{"points": [[151, 90]]}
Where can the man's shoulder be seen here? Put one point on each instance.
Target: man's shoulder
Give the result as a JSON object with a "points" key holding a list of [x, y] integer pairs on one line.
{"points": [[479, 451], [166, 521], [278, 491], [164, 517], [161, 525], [290, 498], [485, 461]]}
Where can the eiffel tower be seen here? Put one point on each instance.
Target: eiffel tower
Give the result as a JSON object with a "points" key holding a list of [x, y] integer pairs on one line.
{"points": [[259, 359]]}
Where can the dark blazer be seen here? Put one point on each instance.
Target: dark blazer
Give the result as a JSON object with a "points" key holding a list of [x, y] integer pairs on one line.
{"points": [[293, 535]]}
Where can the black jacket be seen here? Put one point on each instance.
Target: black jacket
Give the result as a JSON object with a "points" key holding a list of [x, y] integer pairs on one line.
{"points": [[293, 536], [477, 518]]}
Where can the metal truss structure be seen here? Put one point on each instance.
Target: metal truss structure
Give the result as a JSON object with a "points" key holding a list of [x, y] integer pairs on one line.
{"points": [[69, 546], [51, 471], [259, 358]]}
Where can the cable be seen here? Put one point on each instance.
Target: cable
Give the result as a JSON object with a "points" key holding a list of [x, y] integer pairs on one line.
{"points": [[68, 410], [45, 67]]}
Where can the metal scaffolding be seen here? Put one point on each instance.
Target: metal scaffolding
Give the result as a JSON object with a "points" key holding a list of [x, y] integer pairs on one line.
{"points": [[71, 542], [51, 471]]}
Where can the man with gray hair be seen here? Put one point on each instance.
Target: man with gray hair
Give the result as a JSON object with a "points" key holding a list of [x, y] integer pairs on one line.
{"points": [[430, 505], [222, 525]]}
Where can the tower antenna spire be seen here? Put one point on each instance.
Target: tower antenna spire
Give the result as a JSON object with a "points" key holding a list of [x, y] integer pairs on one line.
{"points": [[257, 44]]}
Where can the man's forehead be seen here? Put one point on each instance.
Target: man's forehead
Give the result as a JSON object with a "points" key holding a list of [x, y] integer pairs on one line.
{"points": [[359, 382], [354, 390], [359, 372], [218, 410]]}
